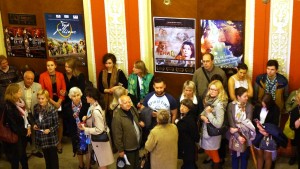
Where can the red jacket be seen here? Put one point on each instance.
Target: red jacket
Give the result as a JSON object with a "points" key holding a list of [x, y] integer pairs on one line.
{"points": [[46, 83]]}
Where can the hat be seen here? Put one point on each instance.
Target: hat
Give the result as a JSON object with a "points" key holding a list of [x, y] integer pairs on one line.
{"points": [[120, 163]]}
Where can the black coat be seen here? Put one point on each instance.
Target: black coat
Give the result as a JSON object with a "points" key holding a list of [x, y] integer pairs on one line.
{"points": [[295, 115], [188, 136]]}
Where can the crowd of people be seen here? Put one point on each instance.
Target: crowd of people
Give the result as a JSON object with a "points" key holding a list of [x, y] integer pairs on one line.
{"points": [[125, 116]]}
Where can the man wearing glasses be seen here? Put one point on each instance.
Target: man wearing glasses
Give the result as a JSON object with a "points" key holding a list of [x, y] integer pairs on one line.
{"points": [[203, 75]]}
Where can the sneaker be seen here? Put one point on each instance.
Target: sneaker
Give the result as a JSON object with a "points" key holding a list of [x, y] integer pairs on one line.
{"points": [[38, 154], [292, 160]]}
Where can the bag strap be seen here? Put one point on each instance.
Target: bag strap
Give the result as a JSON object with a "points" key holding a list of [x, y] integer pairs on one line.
{"points": [[103, 121], [205, 75]]}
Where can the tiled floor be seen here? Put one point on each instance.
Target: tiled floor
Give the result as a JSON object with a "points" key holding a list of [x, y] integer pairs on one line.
{"points": [[67, 161]]}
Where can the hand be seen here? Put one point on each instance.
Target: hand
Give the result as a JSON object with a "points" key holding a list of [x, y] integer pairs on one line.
{"points": [[154, 114], [241, 139], [204, 119], [81, 126], [263, 132], [208, 109], [46, 131], [84, 118], [62, 92], [297, 123], [142, 124], [35, 127], [28, 132], [121, 154], [233, 130]]}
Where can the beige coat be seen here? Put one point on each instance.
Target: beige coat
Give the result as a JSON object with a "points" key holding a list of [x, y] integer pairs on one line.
{"points": [[162, 144]]}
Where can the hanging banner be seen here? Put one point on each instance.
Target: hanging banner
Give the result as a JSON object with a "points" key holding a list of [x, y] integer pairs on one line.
{"points": [[174, 45], [65, 37], [225, 40]]}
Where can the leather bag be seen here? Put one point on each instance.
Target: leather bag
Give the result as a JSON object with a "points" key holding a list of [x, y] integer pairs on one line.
{"points": [[6, 134], [213, 131], [103, 137], [235, 145], [268, 143]]}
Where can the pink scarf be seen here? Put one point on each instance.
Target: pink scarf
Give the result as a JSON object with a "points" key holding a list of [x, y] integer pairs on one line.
{"points": [[21, 107]]}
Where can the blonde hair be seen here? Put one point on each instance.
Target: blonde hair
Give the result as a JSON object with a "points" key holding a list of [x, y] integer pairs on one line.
{"points": [[43, 92], [189, 84], [10, 92], [141, 65], [118, 92], [73, 64], [163, 116], [222, 96]]}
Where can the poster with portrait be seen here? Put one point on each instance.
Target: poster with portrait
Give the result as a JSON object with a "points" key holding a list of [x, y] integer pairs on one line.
{"points": [[14, 41], [65, 37], [174, 45], [225, 40]]}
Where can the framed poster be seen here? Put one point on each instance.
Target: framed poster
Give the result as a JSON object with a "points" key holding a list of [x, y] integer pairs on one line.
{"points": [[225, 40], [65, 37], [174, 45]]}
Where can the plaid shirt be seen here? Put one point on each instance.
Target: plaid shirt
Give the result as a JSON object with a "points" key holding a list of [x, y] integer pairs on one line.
{"points": [[49, 121]]}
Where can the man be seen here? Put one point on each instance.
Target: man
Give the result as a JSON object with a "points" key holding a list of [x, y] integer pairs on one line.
{"points": [[126, 131], [200, 79], [159, 99], [272, 82], [29, 90]]}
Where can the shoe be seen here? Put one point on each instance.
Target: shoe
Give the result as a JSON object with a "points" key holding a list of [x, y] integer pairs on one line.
{"points": [[206, 161], [292, 160], [38, 154], [59, 150]]}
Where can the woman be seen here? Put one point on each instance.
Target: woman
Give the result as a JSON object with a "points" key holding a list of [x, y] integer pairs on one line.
{"points": [[45, 126], [240, 79], [15, 116], [54, 82], [295, 125], [240, 114], [140, 83], [109, 79], [187, 51], [162, 143], [74, 112], [266, 112], [188, 135], [214, 103], [73, 77], [189, 92], [95, 124]]}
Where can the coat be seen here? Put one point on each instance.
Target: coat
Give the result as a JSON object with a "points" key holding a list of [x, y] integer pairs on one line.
{"points": [[162, 145]]}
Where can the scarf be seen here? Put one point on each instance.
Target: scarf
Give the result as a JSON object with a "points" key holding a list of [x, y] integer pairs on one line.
{"points": [[209, 101], [114, 79], [241, 112], [21, 107], [271, 87], [76, 111], [144, 86]]}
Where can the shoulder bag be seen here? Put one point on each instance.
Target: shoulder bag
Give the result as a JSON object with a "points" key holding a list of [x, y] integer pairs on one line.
{"points": [[235, 145], [268, 143], [214, 131], [103, 137], [6, 134]]}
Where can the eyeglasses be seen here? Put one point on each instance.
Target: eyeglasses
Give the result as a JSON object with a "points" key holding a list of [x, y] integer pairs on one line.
{"points": [[205, 61]]}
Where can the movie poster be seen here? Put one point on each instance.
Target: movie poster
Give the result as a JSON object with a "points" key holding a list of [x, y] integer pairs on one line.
{"points": [[225, 40], [65, 37], [174, 45], [25, 42]]}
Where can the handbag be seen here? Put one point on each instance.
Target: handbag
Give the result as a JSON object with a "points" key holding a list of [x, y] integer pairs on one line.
{"points": [[268, 143], [214, 131], [103, 137], [6, 134], [144, 162], [288, 131], [235, 145]]}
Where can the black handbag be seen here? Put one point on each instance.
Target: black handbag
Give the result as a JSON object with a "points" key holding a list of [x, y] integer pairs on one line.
{"points": [[214, 131], [103, 137], [268, 143]]}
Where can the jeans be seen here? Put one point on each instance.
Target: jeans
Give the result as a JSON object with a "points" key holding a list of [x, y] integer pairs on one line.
{"points": [[243, 158]]}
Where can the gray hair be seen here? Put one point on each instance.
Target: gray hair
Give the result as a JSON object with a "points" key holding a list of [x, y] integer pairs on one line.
{"points": [[163, 116], [73, 91]]}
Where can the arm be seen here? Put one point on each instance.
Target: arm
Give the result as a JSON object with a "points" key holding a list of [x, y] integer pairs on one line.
{"points": [[123, 79], [231, 89], [117, 132], [98, 124], [294, 119], [173, 114], [218, 119], [151, 142], [250, 88], [100, 84]]}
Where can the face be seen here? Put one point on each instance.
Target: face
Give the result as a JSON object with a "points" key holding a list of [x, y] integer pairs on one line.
{"points": [[43, 101], [109, 64], [28, 79], [67, 68], [271, 71], [89, 99], [188, 92], [213, 91], [243, 98], [159, 88], [186, 51], [242, 73], [51, 67], [184, 109], [125, 103], [76, 98], [162, 46], [207, 62], [136, 70], [4, 64]]}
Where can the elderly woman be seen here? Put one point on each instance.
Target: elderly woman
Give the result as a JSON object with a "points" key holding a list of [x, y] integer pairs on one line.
{"points": [[95, 124], [215, 103], [45, 126], [240, 121], [140, 83], [162, 143], [15, 116], [74, 112], [295, 124]]}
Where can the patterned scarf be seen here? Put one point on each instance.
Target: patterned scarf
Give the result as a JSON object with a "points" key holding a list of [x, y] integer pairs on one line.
{"points": [[76, 111], [241, 113], [271, 87], [144, 87]]}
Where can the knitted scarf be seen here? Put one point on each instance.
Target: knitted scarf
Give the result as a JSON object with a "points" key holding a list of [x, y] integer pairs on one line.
{"points": [[271, 87]]}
